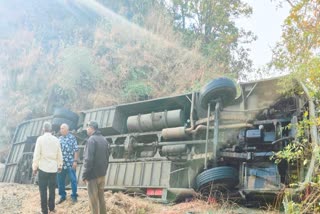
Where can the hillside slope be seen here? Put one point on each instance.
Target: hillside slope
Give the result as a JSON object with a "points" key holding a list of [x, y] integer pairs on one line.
{"points": [[63, 54]]}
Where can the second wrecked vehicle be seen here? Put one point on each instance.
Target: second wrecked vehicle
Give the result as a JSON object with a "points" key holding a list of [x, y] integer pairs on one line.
{"points": [[207, 141]]}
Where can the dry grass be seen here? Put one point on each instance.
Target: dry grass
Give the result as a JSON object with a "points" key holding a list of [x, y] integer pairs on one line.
{"points": [[16, 198], [307, 201], [119, 50]]}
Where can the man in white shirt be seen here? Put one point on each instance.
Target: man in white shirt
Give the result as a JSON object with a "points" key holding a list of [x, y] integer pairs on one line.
{"points": [[47, 159]]}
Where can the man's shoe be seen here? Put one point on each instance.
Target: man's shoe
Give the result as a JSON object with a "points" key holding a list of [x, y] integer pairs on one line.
{"points": [[61, 200], [74, 200]]}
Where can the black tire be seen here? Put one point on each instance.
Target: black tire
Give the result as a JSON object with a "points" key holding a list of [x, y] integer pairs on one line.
{"points": [[223, 88], [56, 123], [66, 113], [222, 178]]}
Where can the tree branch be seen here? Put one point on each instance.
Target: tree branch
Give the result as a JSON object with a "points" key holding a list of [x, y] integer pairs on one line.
{"points": [[313, 133], [289, 2]]}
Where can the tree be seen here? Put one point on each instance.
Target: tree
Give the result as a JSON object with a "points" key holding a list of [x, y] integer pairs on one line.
{"points": [[205, 25], [299, 50], [210, 25]]}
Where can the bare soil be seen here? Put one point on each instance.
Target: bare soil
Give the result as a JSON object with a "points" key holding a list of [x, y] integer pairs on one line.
{"points": [[17, 198]]}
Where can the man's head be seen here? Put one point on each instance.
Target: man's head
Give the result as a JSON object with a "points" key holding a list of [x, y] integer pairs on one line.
{"points": [[47, 127], [92, 126], [64, 129]]}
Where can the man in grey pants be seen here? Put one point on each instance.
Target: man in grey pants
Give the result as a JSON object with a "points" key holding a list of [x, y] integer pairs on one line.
{"points": [[96, 158]]}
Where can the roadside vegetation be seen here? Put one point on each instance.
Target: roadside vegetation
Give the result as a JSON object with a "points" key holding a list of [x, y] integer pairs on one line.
{"points": [[298, 52], [98, 53]]}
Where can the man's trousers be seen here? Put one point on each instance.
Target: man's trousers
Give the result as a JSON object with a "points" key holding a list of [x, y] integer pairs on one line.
{"points": [[47, 180], [96, 195]]}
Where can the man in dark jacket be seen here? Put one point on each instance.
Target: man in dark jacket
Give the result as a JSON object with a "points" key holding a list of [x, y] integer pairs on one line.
{"points": [[96, 158]]}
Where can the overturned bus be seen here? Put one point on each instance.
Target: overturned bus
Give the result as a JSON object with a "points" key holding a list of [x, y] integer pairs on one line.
{"points": [[220, 139]]}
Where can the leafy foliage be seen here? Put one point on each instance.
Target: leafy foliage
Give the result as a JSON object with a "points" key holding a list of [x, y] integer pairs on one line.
{"points": [[210, 25], [298, 53], [137, 90], [207, 25], [78, 69]]}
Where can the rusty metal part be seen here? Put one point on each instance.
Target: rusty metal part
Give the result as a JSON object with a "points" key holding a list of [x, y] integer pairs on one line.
{"points": [[182, 132], [207, 136], [228, 116], [191, 114], [216, 131], [229, 126], [174, 133], [155, 121], [174, 150]]}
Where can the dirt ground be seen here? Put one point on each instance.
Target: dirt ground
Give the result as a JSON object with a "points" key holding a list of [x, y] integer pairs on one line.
{"points": [[17, 198]]}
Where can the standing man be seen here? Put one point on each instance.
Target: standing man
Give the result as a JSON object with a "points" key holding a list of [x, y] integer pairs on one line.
{"points": [[69, 149], [47, 159], [95, 164]]}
